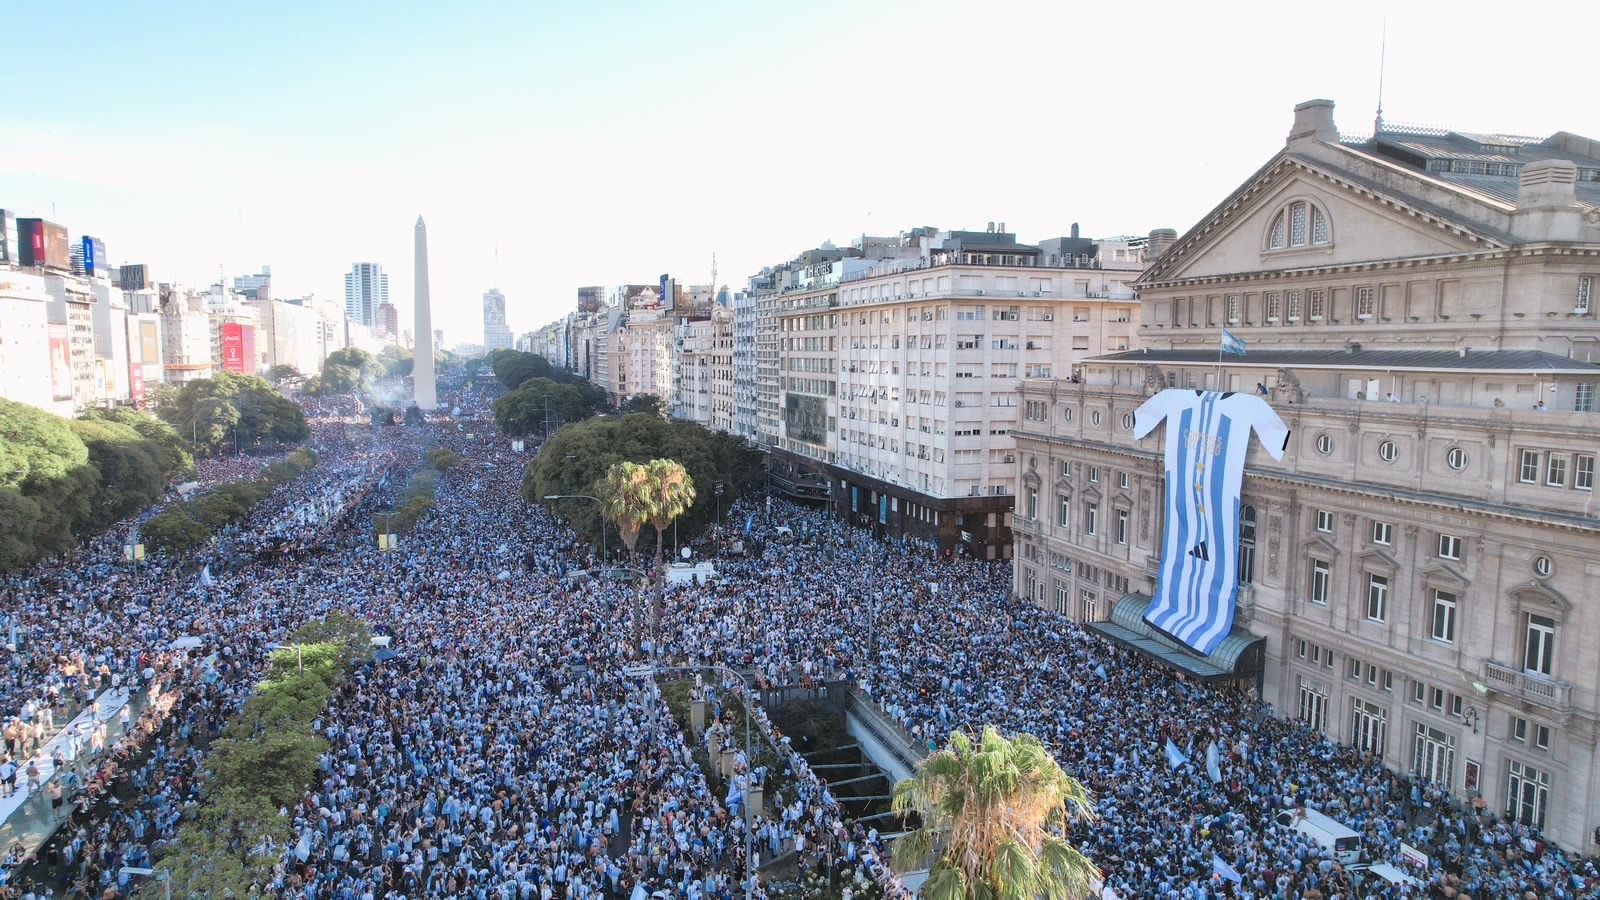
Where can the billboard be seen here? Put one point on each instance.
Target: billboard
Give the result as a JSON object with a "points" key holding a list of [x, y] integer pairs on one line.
{"points": [[8, 238], [88, 255], [248, 340], [668, 291], [233, 348], [589, 299], [806, 418], [60, 363], [134, 278], [136, 384], [149, 342], [636, 295]]}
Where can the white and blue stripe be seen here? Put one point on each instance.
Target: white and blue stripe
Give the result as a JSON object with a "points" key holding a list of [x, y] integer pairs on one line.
{"points": [[1208, 434]]}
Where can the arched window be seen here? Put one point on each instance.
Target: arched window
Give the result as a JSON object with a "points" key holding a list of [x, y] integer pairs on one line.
{"points": [[1300, 223], [1247, 544]]}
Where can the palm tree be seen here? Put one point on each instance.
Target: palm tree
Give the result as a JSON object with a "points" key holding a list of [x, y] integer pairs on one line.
{"points": [[674, 494], [993, 815], [625, 498]]}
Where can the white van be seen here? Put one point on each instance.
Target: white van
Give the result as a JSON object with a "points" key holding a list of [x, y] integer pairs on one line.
{"points": [[1332, 835], [1386, 877]]}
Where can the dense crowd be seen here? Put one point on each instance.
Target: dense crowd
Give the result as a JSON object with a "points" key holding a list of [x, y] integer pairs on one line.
{"points": [[504, 753]]}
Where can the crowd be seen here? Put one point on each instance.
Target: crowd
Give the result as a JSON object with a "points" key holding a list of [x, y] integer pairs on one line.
{"points": [[504, 753]]}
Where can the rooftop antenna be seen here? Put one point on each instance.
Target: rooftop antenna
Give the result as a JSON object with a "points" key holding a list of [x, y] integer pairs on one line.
{"points": [[713, 277], [1383, 49]]}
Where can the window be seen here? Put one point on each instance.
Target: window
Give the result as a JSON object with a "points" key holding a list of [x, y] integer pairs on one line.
{"points": [[1377, 598], [1527, 793], [1583, 397], [1519, 729], [1091, 518], [1234, 304], [1313, 706], [1456, 458], [1127, 424], [1094, 474], [1539, 645], [1324, 521], [1542, 566], [1382, 532], [1293, 302], [1297, 224], [1247, 544], [1033, 503], [1319, 226], [1417, 690], [1300, 648], [1528, 469], [1324, 444], [1433, 755], [1364, 302], [1122, 526], [1314, 305], [1122, 480], [1369, 726], [1094, 418], [1063, 597], [1583, 472], [1449, 547], [1541, 737], [1444, 617], [1274, 305], [1388, 452], [1436, 699], [1065, 507], [1066, 469], [1321, 582], [1555, 473], [1278, 235], [1580, 305]]}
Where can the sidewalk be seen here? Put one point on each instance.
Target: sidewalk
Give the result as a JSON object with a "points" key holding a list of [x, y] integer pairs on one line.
{"points": [[28, 818]]}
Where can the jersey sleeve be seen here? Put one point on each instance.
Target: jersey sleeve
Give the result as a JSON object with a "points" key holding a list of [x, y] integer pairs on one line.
{"points": [[1152, 411], [1274, 435]]}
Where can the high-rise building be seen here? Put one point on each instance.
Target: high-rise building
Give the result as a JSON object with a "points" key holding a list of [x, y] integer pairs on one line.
{"points": [[366, 287], [1416, 575], [257, 286], [387, 325], [496, 334]]}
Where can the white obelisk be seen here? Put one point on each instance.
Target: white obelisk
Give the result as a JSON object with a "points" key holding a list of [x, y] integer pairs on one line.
{"points": [[426, 391]]}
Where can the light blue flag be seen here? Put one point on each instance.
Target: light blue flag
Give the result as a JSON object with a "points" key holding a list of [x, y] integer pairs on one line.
{"points": [[749, 521], [1214, 762], [1219, 866], [1231, 344], [1175, 757]]}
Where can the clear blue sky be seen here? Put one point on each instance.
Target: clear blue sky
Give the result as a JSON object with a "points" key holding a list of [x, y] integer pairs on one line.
{"points": [[607, 142]]}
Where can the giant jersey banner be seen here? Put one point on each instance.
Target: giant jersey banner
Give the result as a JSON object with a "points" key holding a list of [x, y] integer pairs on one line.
{"points": [[1207, 435]]}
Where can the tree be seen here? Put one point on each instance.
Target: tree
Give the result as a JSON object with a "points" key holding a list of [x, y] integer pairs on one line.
{"points": [[673, 491], [539, 402], [513, 367], [992, 817], [643, 403], [626, 495], [207, 410], [281, 373], [174, 531]]}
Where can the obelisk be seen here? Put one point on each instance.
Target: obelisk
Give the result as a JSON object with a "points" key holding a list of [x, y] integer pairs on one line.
{"points": [[426, 391]]}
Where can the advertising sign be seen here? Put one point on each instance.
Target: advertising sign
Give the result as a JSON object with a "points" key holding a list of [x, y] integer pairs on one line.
{"points": [[247, 334], [589, 299], [149, 342], [1208, 434], [233, 348], [88, 256], [136, 383], [60, 363]]}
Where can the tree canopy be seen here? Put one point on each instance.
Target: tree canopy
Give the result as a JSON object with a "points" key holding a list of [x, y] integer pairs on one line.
{"points": [[644, 403], [206, 411], [539, 402], [575, 460], [513, 367], [993, 815]]}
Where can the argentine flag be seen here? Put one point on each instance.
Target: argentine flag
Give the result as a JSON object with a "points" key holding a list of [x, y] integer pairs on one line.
{"points": [[1231, 344], [1175, 757], [1219, 866]]}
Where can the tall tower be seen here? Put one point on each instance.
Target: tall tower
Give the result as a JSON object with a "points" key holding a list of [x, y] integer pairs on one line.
{"points": [[425, 390]]}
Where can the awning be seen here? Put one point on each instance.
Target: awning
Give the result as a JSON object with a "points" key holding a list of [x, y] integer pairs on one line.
{"points": [[1240, 654]]}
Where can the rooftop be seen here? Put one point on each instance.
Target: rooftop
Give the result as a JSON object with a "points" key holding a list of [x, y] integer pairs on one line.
{"points": [[1417, 360], [1484, 163]]}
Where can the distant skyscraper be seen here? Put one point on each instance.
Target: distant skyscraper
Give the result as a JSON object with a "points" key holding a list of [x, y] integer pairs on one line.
{"points": [[425, 391], [365, 289], [496, 335], [388, 322]]}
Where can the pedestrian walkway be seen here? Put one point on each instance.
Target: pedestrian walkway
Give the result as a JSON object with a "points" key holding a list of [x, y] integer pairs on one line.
{"points": [[27, 815]]}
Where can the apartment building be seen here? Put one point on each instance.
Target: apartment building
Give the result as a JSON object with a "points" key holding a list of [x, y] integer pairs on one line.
{"points": [[1416, 575], [899, 371]]}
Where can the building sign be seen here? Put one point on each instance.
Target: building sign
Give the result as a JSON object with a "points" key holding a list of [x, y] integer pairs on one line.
{"points": [[136, 383], [806, 418], [1208, 434], [88, 256], [233, 348], [60, 363]]}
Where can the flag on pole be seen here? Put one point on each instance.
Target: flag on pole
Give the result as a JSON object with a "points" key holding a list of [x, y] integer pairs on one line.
{"points": [[1175, 757], [205, 576], [1232, 344], [749, 521], [1219, 866], [1214, 762]]}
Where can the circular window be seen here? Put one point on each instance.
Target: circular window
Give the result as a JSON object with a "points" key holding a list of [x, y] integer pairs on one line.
{"points": [[1388, 452], [1324, 444], [1542, 566], [1066, 414], [1094, 417], [1127, 421], [1456, 458]]}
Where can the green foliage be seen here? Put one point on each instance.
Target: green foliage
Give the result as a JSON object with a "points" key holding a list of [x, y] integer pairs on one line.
{"points": [[129, 473], [993, 815], [649, 404], [626, 496], [671, 494], [513, 367], [442, 458], [281, 373], [416, 501], [577, 457], [207, 412], [173, 530], [395, 361], [538, 401], [264, 761]]}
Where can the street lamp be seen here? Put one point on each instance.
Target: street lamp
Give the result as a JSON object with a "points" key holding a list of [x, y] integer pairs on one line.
{"points": [[600, 503]]}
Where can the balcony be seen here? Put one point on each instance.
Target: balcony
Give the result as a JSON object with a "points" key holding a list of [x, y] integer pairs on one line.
{"points": [[1551, 694]]}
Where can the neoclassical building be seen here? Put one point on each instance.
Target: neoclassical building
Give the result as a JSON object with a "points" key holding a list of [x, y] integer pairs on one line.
{"points": [[1418, 575]]}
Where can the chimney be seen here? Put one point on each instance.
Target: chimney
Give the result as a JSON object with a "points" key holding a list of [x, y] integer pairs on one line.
{"points": [[1547, 203], [1074, 230], [1313, 120], [1161, 240], [991, 227], [1002, 228]]}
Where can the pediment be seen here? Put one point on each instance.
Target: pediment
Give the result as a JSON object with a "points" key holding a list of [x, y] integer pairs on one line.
{"points": [[1091, 493], [1362, 226], [1537, 594], [1323, 548], [1377, 559], [1440, 573], [1121, 498]]}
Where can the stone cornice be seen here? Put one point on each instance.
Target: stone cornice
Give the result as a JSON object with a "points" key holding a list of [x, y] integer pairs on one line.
{"points": [[1499, 254]]}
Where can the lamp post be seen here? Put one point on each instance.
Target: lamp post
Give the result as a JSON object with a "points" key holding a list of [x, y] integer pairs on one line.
{"points": [[603, 554], [717, 489]]}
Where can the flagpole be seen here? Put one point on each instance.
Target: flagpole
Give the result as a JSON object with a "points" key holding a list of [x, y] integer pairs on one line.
{"points": [[1221, 346]]}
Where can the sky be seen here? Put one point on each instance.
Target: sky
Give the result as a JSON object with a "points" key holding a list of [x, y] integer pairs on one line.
{"points": [[551, 145]]}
